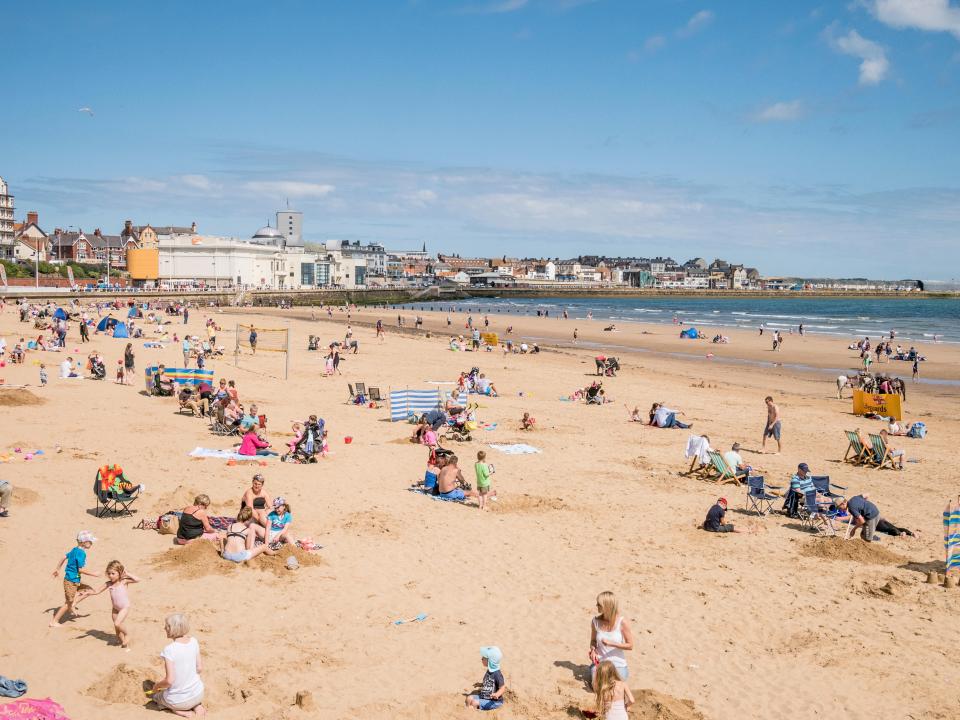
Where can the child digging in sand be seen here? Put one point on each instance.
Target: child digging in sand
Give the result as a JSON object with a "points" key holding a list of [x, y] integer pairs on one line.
{"points": [[75, 560], [493, 685], [613, 695], [117, 580], [527, 422]]}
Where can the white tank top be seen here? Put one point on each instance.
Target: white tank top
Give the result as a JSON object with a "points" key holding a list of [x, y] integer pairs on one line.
{"points": [[616, 711], [614, 655]]}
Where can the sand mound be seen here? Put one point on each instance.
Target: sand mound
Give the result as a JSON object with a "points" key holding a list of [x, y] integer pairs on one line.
{"points": [[851, 551], [653, 705], [523, 503], [15, 398], [368, 523], [200, 558], [183, 495], [24, 496], [123, 684]]}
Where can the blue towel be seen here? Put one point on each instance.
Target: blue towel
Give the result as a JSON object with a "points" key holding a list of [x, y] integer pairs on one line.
{"points": [[12, 688]]}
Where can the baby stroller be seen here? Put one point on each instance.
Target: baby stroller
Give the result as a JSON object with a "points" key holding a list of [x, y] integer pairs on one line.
{"points": [[309, 444], [611, 367], [313, 343], [98, 371]]}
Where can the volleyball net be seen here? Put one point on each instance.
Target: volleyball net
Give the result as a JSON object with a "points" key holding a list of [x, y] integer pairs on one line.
{"points": [[272, 344]]}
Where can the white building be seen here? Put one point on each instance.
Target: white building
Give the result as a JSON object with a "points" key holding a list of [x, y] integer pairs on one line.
{"points": [[6, 221], [208, 261], [290, 224]]}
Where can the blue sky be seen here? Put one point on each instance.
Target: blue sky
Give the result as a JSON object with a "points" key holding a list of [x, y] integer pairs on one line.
{"points": [[816, 138]]}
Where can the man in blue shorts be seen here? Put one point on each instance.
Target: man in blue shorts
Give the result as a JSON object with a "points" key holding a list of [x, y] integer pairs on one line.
{"points": [[772, 428]]}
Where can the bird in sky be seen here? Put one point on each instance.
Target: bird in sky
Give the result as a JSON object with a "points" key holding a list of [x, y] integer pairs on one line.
{"points": [[86, 109]]}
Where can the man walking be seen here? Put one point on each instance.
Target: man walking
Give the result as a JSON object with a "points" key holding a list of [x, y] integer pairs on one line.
{"points": [[772, 428]]}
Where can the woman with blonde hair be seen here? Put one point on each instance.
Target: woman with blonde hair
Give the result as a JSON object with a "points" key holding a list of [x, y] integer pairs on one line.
{"points": [[195, 523], [181, 690], [610, 636], [613, 695]]}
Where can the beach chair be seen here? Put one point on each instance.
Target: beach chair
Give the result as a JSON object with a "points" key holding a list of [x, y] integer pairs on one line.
{"points": [[361, 388], [353, 395], [823, 487], [881, 453], [111, 503], [218, 423], [815, 516], [856, 453], [723, 472], [373, 393], [757, 496]]}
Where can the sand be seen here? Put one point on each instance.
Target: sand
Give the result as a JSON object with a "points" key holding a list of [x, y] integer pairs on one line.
{"points": [[603, 506]]}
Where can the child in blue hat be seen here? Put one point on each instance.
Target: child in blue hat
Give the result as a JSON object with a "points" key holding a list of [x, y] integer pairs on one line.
{"points": [[493, 685]]}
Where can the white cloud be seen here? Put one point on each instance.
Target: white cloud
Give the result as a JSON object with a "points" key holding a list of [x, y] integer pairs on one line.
{"points": [[197, 182], [290, 188], [696, 23], [930, 15], [654, 43], [874, 65], [780, 112]]}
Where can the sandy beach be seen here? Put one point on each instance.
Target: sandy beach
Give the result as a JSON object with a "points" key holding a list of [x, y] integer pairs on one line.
{"points": [[772, 623]]}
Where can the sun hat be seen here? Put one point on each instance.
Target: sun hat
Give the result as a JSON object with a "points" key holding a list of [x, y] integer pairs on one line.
{"points": [[85, 536], [278, 501], [493, 655]]}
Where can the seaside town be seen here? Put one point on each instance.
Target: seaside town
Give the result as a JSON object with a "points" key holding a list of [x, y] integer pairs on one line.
{"points": [[277, 257]]}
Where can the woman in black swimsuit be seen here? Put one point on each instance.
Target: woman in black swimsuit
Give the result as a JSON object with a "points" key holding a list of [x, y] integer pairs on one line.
{"points": [[238, 544], [257, 499], [194, 522]]}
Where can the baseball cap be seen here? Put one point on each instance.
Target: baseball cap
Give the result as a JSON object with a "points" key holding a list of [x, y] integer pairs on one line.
{"points": [[85, 536], [804, 467], [279, 500], [493, 655], [721, 501]]}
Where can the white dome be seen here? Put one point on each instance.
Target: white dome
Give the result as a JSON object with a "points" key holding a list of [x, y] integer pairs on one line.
{"points": [[267, 233]]}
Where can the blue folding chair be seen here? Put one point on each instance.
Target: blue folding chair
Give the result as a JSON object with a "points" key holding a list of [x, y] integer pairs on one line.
{"points": [[825, 488], [817, 516], [757, 496]]}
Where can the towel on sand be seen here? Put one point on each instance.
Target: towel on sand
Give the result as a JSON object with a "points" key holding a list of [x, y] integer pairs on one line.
{"points": [[27, 709], [515, 449], [429, 494], [224, 454]]}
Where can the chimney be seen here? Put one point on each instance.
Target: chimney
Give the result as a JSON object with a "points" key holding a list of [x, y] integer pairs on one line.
{"points": [[193, 227], [97, 233], [127, 226], [32, 217]]}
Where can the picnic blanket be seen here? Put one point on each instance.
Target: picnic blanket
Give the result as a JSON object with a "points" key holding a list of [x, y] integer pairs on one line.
{"points": [[429, 494], [224, 454], [515, 449], [28, 709], [951, 536]]}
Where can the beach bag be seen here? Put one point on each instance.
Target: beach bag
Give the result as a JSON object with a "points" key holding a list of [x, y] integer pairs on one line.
{"points": [[918, 430], [167, 524]]}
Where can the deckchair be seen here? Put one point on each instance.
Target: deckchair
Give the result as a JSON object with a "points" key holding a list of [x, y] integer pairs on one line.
{"points": [[757, 496], [111, 502], [824, 487], [373, 393], [881, 453], [723, 472], [353, 395], [856, 452], [815, 516], [361, 388]]}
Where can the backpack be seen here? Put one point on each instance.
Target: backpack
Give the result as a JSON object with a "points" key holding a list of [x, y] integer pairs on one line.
{"points": [[918, 430]]}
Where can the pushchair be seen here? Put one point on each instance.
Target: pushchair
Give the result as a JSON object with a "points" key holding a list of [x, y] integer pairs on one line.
{"points": [[98, 371], [611, 367]]}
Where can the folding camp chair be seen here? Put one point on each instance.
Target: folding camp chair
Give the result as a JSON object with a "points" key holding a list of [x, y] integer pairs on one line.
{"points": [[815, 516], [757, 496], [881, 453], [218, 423], [823, 487], [856, 452], [373, 393], [723, 472], [109, 502], [361, 388]]}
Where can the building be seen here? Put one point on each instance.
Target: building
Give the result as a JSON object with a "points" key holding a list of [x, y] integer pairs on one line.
{"points": [[31, 240], [290, 224], [69, 246], [6, 221]]}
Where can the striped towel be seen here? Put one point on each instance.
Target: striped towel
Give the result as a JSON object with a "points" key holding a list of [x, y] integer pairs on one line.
{"points": [[951, 536]]}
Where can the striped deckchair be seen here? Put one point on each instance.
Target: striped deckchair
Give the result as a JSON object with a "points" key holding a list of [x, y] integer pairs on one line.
{"points": [[856, 452], [951, 536], [881, 453], [724, 474]]}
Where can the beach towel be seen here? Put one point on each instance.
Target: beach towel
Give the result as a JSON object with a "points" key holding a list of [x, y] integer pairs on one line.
{"points": [[221, 522], [429, 494], [697, 446], [224, 454], [153, 345], [951, 536], [515, 449], [27, 709], [12, 688]]}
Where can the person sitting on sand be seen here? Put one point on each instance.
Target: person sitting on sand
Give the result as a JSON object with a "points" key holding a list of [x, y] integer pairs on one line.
{"points": [[280, 521], [636, 415], [527, 422], [253, 445], [195, 523], [68, 369], [898, 455], [162, 384], [453, 405], [613, 695], [181, 689], [450, 482], [895, 428], [714, 521], [493, 685], [610, 328], [238, 543], [664, 417], [485, 387], [257, 499], [610, 637]]}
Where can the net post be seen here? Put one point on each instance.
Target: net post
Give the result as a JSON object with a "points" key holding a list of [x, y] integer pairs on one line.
{"points": [[236, 345], [286, 355]]}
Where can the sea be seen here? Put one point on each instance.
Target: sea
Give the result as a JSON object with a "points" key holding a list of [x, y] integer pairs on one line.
{"points": [[913, 319]]}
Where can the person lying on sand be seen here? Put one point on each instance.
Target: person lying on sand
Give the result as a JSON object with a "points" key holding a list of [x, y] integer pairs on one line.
{"points": [[663, 417]]}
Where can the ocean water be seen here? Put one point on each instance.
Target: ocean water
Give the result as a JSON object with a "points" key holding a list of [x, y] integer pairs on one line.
{"points": [[914, 319]]}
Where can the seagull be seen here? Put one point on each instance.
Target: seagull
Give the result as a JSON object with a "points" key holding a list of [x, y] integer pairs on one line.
{"points": [[86, 109]]}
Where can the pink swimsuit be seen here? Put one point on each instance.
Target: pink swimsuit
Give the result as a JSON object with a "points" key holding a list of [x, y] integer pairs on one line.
{"points": [[118, 594]]}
